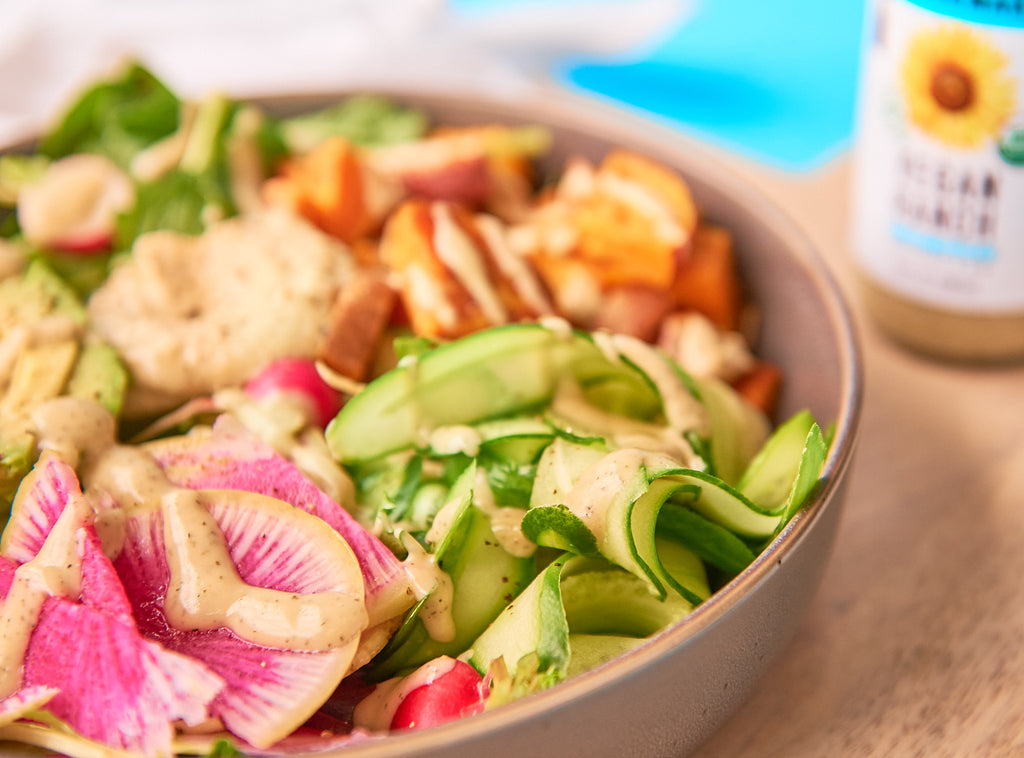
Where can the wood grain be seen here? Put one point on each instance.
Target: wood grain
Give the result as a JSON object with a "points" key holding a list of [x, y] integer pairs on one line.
{"points": [[914, 645]]}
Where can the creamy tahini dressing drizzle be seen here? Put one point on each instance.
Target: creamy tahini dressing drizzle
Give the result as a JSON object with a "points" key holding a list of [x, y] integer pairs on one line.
{"points": [[54, 571], [430, 582], [590, 495], [623, 432], [683, 411], [457, 251], [513, 266], [205, 589], [506, 522]]}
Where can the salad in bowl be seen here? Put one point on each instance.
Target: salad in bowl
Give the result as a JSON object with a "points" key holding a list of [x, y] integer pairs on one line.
{"points": [[321, 427]]}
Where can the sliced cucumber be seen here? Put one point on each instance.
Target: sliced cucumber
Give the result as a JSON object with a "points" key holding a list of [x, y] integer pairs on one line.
{"points": [[738, 429], [600, 598], [588, 651], [534, 623], [770, 476], [490, 374], [485, 580], [713, 543]]}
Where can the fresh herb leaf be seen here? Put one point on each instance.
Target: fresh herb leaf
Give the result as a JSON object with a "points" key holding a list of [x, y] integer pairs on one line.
{"points": [[116, 118], [365, 120]]}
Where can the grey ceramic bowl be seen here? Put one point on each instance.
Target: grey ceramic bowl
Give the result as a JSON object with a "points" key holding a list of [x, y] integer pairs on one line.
{"points": [[664, 698]]}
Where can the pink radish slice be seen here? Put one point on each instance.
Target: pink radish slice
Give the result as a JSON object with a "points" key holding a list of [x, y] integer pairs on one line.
{"points": [[269, 691], [227, 460], [40, 501], [7, 568], [111, 684], [299, 377], [24, 701]]}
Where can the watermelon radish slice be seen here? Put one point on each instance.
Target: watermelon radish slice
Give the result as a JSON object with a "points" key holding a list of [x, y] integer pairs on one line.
{"points": [[229, 458], [269, 691], [24, 701], [87, 659], [41, 498], [115, 687]]}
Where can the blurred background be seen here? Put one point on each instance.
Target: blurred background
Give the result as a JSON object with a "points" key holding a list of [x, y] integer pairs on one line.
{"points": [[771, 81]]}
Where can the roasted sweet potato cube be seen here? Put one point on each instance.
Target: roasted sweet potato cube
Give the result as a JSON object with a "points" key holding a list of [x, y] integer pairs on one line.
{"points": [[658, 179], [708, 281], [326, 186]]}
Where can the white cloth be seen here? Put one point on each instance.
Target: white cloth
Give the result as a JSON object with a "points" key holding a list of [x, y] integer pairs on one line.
{"points": [[50, 49]]}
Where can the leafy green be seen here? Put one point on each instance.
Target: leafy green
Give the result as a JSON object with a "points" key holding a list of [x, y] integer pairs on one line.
{"points": [[116, 118], [366, 120], [224, 749], [175, 202]]}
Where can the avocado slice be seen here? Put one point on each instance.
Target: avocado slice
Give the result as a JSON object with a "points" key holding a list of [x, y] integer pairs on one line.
{"points": [[44, 368]]}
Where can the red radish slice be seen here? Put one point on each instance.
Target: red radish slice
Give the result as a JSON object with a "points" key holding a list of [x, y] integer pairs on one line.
{"points": [[458, 692], [270, 691], [74, 206], [225, 459], [440, 690], [297, 376]]}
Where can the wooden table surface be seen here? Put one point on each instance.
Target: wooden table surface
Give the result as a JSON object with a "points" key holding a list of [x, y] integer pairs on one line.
{"points": [[914, 644]]}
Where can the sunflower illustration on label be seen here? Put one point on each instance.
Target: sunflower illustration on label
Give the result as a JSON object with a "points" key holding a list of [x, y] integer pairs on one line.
{"points": [[956, 87]]}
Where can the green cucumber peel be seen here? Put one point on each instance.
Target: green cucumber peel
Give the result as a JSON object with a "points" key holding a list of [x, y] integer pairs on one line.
{"points": [[715, 544], [557, 527], [808, 477], [534, 624]]}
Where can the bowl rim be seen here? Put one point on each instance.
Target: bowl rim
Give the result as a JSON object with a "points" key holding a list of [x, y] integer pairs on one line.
{"points": [[616, 125]]}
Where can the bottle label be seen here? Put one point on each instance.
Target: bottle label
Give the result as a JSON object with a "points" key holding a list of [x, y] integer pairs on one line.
{"points": [[996, 12], [939, 190]]}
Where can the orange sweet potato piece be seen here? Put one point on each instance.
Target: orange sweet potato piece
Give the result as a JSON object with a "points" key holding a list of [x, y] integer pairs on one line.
{"points": [[326, 187], [708, 281], [619, 245], [658, 179], [760, 386], [436, 303]]}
